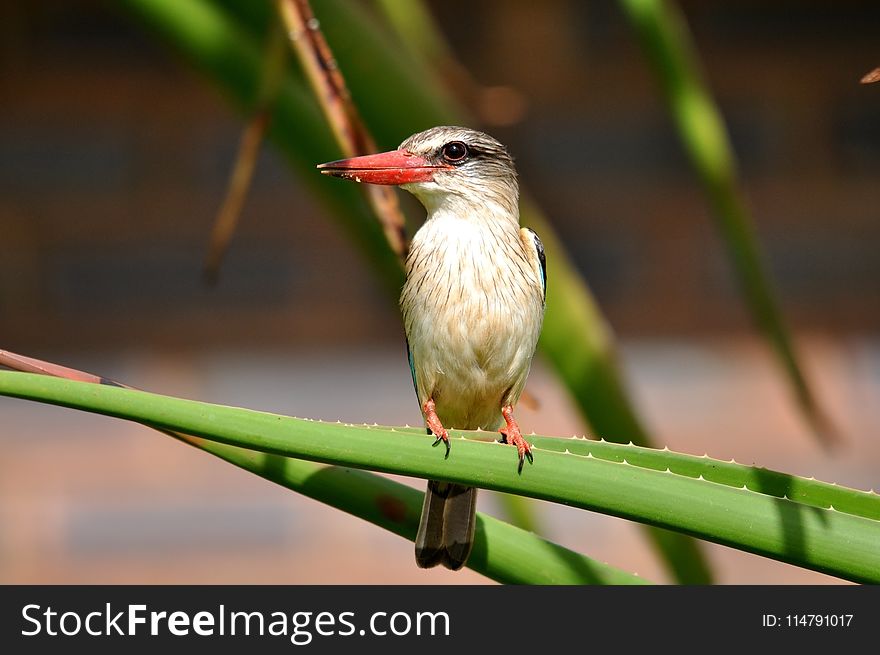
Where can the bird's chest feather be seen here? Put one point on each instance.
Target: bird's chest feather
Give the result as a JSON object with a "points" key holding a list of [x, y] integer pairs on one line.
{"points": [[472, 309]]}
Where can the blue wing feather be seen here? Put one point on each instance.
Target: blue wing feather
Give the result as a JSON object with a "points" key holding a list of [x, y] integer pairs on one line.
{"points": [[539, 246]]}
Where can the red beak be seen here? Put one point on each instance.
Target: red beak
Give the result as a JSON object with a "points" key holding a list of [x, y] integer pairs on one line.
{"points": [[393, 167]]}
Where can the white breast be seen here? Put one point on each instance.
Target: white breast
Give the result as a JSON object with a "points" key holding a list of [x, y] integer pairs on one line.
{"points": [[472, 307]]}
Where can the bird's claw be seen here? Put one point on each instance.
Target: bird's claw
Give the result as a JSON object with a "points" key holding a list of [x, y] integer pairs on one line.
{"points": [[445, 440], [525, 453], [528, 456], [513, 437]]}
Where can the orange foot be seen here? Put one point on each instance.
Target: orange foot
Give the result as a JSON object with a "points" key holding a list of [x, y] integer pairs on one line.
{"points": [[434, 424], [514, 437]]}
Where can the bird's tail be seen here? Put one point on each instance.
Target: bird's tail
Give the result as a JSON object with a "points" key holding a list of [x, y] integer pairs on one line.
{"points": [[446, 531]]}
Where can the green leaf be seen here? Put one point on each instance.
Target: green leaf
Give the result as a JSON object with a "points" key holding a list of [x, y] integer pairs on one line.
{"points": [[515, 557], [828, 539], [665, 38]]}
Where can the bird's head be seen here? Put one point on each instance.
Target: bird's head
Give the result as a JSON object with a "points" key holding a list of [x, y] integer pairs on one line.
{"points": [[443, 167]]}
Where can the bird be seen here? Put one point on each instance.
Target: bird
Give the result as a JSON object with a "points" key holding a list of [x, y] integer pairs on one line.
{"points": [[472, 305]]}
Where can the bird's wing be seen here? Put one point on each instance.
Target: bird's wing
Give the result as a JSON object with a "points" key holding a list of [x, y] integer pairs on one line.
{"points": [[530, 237]]}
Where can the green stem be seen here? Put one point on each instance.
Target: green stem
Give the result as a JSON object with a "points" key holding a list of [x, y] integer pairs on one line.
{"points": [[824, 539]]}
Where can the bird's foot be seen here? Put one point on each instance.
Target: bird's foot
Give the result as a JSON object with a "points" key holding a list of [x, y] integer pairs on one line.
{"points": [[435, 426], [514, 437]]}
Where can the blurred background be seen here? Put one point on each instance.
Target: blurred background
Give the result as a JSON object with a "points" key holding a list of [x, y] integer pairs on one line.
{"points": [[114, 158]]}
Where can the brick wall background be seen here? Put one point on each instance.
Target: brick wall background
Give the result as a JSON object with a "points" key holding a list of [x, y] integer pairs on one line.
{"points": [[114, 159]]}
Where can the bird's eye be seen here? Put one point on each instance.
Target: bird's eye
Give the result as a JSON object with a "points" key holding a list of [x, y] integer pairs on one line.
{"points": [[455, 152]]}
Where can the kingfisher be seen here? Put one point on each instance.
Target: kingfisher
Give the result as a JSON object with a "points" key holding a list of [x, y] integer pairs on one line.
{"points": [[472, 305]]}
